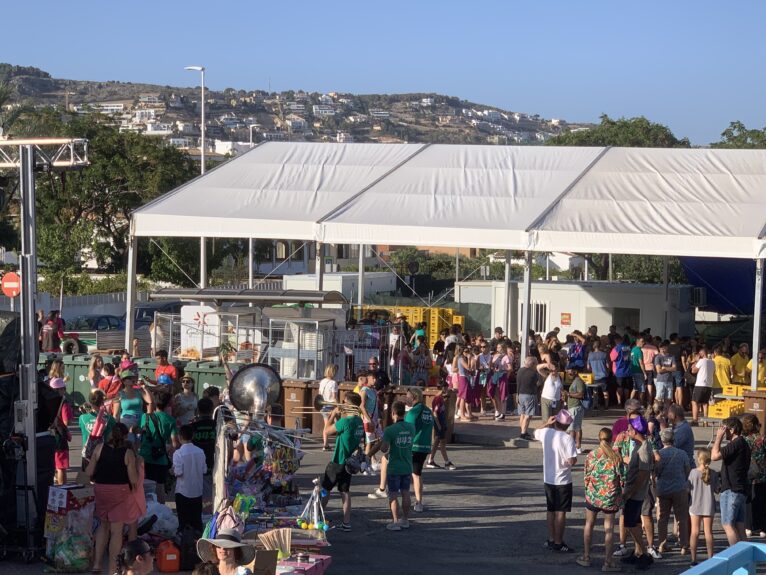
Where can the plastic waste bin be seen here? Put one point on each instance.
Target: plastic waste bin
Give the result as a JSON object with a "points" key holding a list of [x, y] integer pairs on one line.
{"points": [[755, 403], [317, 421], [296, 399]]}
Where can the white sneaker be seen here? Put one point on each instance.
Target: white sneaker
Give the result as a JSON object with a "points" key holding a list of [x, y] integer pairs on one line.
{"points": [[653, 553], [579, 451], [432, 465], [378, 494], [621, 551], [418, 507], [394, 527], [748, 533], [404, 524]]}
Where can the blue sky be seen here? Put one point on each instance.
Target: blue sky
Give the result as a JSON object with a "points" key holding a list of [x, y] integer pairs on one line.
{"points": [[693, 65]]}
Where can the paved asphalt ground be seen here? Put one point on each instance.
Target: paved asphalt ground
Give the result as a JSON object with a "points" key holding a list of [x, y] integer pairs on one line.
{"points": [[488, 516]]}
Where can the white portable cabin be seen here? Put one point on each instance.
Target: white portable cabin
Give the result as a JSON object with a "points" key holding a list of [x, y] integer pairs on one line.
{"points": [[346, 283], [578, 305]]}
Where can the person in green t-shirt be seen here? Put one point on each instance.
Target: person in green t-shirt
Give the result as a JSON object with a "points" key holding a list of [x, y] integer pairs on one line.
{"points": [[638, 371], [350, 432], [87, 421], [397, 442], [422, 420], [575, 394], [157, 430]]}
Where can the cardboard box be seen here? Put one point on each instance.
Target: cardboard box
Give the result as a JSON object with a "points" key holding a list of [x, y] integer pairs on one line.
{"points": [[63, 498], [265, 562]]}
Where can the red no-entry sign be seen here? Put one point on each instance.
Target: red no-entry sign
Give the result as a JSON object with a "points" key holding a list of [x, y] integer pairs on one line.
{"points": [[11, 284]]}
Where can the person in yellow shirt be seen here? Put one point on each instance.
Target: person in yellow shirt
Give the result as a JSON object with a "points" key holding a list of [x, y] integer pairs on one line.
{"points": [[739, 365], [761, 367], [722, 368]]}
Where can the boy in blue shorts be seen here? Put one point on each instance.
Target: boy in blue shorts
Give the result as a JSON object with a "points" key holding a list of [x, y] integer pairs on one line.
{"points": [[397, 443]]}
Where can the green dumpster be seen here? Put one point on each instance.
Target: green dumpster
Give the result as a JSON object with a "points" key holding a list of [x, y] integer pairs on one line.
{"points": [[211, 373], [45, 356], [146, 366], [76, 369]]}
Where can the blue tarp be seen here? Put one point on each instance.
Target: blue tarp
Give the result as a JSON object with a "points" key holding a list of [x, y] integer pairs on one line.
{"points": [[730, 283]]}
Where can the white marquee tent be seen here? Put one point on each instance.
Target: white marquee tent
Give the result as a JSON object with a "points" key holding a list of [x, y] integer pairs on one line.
{"points": [[593, 200]]}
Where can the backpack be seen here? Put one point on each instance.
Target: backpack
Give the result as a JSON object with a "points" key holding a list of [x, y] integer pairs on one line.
{"points": [[187, 545], [49, 336], [154, 438]]}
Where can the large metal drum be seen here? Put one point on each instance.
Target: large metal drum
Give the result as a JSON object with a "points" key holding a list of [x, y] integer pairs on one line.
{"points": [[254, 388]]}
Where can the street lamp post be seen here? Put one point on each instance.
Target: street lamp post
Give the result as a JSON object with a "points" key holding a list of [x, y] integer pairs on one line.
{"points": [[251, 126], [202, 252], [201, 70]]}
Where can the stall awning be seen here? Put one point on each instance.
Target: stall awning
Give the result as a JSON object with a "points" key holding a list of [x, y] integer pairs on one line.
{"points": [[258, 297]]}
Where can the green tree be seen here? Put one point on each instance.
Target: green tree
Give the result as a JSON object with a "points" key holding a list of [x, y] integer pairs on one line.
{"points": [[10, 117], [738, 136], [623, 132], [88, 211]]}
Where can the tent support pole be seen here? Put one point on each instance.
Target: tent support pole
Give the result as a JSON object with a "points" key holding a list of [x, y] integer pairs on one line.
{"points": [[610, 268], [202, 264], [757, 313], [130, 299], [250, 254], [527, 302], [507, 294], [457, 267], [319, 264], [360, 291], [666, 284], [28, 322]]}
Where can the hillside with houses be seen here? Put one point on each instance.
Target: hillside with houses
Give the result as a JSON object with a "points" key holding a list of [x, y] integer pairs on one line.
{"points": [[237, 119]]}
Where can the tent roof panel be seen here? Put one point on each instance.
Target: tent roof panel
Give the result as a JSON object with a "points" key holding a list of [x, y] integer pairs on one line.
{"points": [[446, 191], [617, 200], [284, 187], [667, 192]]}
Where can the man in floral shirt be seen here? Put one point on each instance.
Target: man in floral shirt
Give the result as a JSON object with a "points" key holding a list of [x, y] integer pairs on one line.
{"points": [[603, 494]]}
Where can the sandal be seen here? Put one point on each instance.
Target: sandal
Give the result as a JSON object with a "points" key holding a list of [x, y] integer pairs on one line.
{"points": [[583, 561]]}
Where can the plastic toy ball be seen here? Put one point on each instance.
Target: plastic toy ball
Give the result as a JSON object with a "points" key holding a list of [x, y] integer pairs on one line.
{"points": [[299, 521], [320, 525], [304, 526], [325, 527]]}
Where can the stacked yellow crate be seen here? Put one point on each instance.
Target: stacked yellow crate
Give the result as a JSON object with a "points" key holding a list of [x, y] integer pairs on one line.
{"points": [[726, 408]]}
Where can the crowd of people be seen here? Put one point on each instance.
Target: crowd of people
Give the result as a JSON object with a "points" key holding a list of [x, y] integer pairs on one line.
{"points": [[156, 429], [137, 432], [642, 481], [645, 467]]}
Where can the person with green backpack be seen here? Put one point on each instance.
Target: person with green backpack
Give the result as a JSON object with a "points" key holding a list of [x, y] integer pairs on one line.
{"points": [[157, 430]]}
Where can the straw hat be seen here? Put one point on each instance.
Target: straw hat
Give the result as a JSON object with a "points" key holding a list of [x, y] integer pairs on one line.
{"points": [[226, 539]]}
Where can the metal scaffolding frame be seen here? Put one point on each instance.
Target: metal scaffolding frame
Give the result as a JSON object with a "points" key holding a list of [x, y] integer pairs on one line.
{"points": [[29, 156]]}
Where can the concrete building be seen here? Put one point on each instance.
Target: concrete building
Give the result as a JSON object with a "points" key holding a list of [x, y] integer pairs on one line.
{"points": [[323, 110]]}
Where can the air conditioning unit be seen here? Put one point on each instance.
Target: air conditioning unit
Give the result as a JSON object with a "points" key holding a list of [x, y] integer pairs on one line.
{"points": [[699, 296]]}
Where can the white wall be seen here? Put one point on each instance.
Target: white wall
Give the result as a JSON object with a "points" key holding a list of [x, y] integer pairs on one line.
{"points": [[109, 304]]}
